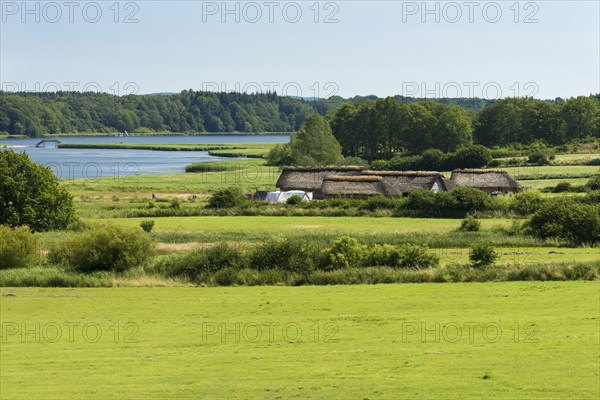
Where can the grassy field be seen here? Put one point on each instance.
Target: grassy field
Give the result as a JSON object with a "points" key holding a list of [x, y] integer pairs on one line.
{"points": [[427, 341], [282, 225], [249, 174], [552, 172]]}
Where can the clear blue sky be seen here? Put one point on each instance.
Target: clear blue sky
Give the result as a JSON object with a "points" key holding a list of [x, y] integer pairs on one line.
{"points": [[381, 48]]}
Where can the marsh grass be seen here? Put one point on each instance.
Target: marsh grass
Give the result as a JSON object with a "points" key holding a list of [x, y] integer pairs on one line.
{"points": [[59, 276]]}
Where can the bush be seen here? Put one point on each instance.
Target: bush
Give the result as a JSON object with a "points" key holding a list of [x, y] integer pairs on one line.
{"points": [[470, 224], [526, 203], [539, 154], [293, 200], [30, 195], [175, 204], [381, 203], [227, 198], [417, 257], [210, 260], [473, 156], [433, 160], [344, 252], [562, 187], [294, 255], [594, 183], [105, 248], [567, 219], [469, 200], [280, 154], [482, 255], [147, 225], [18, 247]]}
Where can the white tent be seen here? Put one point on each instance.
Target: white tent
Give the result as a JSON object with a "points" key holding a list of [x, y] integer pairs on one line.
{"points": [[282, 197]]}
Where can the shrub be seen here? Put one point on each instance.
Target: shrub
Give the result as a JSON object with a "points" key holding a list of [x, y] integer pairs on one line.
{"points": [[385, 254], [77, 226], [539, 154], [473, 156], [417, 257], [147, 225], [293, 200], [422, 199], [562, 187], [433, 160], [526, 203], [470, 224], [594, 183], [343, 253], [227, 198], [482, 255], [18, 247], [30, 195], [175, 204], [380, 203], [468, 200], [105, 248], [280, 154], [294, 255], [216, 258], [567, 219]]}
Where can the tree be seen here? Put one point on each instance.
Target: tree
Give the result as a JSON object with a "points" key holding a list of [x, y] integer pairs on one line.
{"points": [[315, 143], [30, 195], [582, 116]]}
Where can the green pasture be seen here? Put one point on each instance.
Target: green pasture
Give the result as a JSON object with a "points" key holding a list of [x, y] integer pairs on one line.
{"points": [[250, 174], [544, 183], [282, 225], [552, 172], [534, 340]]}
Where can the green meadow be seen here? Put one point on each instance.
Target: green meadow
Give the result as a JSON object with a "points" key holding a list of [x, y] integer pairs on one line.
{"points": [[534, 340]]}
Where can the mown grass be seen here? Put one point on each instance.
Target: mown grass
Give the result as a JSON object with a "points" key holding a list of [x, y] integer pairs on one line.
{"points": [[535, 340], [284, 225]]}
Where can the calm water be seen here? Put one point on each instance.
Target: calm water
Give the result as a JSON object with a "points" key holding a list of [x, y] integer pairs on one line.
{"points": [[96, 163]]}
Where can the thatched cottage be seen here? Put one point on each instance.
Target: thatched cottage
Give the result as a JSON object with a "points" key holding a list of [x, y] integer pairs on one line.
{"points": [[356, 187], [490, 181], [310, 179], [406, 182]]}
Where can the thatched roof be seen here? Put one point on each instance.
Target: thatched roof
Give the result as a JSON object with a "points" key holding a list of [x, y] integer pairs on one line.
{"points": [[409, 181], [358, 185], [341, 168], [310, 179], [484, 178], [401, 173]]}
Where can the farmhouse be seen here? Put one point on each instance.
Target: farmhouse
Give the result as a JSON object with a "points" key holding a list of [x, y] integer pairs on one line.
{"points": [[356, 187], [310, 179], [406, 182], [356, 182], [490, 181]]}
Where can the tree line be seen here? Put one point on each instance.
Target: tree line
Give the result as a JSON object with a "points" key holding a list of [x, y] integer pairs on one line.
{"points": [[365, 126], [36, 114], [378, 129]]}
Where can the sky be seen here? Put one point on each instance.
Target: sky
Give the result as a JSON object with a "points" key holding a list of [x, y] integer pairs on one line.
{"points": [[543, 49]]}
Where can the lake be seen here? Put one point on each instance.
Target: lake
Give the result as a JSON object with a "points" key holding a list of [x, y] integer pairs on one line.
{"points": [[96, 163]]}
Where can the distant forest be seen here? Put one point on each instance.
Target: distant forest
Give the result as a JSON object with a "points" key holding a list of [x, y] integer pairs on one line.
{"points": [[501, 122], [37, 114]]}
